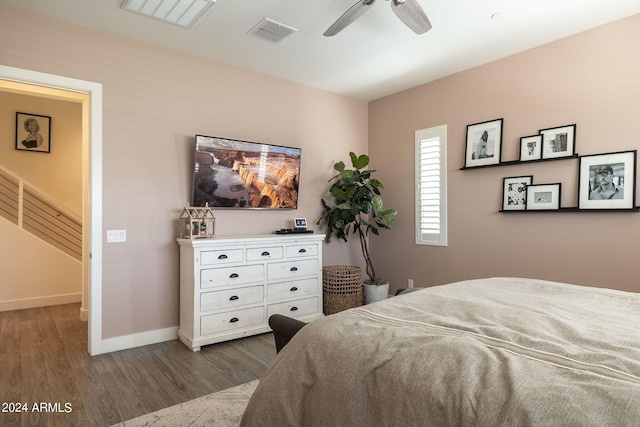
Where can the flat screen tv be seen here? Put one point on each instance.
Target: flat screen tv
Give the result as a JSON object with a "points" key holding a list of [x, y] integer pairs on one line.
{"points": [[235, 174]]}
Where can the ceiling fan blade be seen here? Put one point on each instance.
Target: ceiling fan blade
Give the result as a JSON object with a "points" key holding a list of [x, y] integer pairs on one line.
{"points": [[410, 12], [348, 17]]}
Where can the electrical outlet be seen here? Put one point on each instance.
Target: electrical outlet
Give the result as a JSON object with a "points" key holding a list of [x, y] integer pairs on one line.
{"points": [[410, 283], [116, 236]]}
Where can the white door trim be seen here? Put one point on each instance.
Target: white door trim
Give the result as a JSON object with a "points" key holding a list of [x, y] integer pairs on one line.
{"points": [[93, 212]]}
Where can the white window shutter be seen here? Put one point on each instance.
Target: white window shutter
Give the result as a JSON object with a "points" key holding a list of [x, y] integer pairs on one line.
{"points": [[431, 186]]}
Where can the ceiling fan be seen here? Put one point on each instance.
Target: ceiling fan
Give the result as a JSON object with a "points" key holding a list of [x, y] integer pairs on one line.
{"points": [[409, 12]]}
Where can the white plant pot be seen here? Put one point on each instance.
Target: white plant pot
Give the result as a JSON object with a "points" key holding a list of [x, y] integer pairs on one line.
{"points": [[373, 293]]}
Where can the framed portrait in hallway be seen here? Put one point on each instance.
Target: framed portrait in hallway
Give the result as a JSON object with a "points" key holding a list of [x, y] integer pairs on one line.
{"points": [[33, 132]]}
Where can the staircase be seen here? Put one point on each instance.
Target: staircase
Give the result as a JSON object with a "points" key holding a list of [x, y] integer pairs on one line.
{"points": [[35, 212]]}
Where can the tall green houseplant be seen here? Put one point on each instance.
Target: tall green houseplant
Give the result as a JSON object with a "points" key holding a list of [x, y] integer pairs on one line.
{"points": [[357, 208]]}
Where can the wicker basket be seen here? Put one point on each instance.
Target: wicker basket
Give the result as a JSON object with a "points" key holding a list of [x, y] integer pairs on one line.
{"points": [[341, 288]]}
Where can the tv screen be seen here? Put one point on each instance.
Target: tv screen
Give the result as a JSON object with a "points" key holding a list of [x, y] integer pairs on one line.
{"points": [[229, 173]]}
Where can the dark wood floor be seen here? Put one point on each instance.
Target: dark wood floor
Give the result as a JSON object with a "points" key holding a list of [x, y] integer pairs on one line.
{"points": [[46, 372]]}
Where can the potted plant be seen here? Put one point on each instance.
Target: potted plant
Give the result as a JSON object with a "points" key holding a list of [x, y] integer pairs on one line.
{"points": [[357, 208]]}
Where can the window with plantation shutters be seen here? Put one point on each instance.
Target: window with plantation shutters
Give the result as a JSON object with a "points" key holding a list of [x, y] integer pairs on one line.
{"points": [[431, 186]]}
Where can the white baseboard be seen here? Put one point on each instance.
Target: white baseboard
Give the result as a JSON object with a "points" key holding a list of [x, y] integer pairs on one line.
{"points": [[137, 340], [19, 304], [84, 314]]}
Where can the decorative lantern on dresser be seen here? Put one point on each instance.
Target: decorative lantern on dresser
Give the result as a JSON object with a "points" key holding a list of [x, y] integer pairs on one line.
{"points": [[230, 286], [196, 223]]}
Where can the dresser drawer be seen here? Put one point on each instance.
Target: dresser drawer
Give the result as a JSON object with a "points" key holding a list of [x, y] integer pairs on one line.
{"points": [[296, 288], [295, 308], [221, 257], [257, 254], [292, 269], [231, 320], [225, 276], [295, 251], [229, 299]]}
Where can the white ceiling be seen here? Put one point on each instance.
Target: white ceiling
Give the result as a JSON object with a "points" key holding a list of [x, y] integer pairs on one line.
{"points": [[373, 57]]}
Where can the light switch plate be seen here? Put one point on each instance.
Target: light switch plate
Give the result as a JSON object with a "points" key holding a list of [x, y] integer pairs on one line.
{"points": [[116, 236]]}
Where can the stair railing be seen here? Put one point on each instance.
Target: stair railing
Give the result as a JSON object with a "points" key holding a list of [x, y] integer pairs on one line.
{"points": [[32, 210]]}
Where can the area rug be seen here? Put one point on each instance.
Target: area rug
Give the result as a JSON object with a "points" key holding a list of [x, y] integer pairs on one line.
{"points": [[220, 409]]}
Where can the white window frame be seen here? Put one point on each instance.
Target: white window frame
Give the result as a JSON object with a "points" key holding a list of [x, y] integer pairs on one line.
{"points": [[437, 134]]}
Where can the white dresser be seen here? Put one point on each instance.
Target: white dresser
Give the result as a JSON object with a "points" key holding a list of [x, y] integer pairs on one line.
{"points": [[229, 286]]}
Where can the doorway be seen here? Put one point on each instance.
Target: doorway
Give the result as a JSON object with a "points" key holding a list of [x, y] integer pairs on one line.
{"points": [[89, 94]]}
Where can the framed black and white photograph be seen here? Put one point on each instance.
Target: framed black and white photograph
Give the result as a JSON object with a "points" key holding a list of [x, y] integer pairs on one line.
{"points": [[514, 192], [484, 144], [543, 197], [530, 148], [558, 142], [607, 181], [33, 132]]}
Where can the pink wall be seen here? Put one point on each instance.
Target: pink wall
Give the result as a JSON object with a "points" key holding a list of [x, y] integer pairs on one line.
{"points": [[590, 79], [154, 101]]}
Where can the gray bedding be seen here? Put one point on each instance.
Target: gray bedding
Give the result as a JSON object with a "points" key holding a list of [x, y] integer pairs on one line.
{"points": [[490, 352]]}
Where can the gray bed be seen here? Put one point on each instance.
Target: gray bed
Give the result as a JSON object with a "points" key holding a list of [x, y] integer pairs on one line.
{"points": [[490, 352]]}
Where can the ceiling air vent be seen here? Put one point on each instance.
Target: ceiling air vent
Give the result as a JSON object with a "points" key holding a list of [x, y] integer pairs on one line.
{"points": [[183, 13], [271, 30]]}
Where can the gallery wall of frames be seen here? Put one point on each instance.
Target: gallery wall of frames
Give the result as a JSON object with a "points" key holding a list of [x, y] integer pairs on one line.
{"points": [[606, 181]]}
